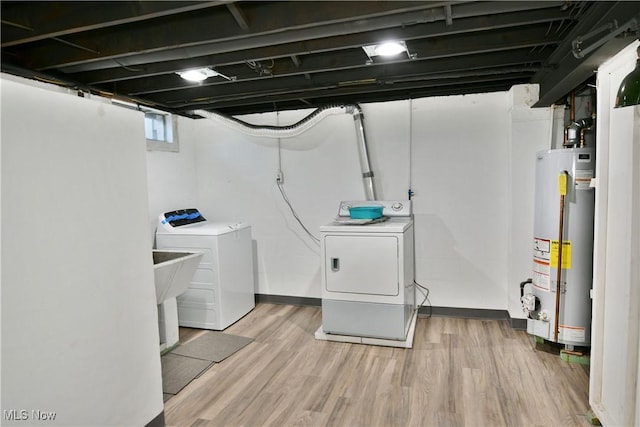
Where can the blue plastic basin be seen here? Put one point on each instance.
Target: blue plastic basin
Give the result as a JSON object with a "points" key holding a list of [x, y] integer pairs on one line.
{"points": [[365, 212]]}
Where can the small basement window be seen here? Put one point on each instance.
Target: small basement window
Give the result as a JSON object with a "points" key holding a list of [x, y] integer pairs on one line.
{"points": [[160, 131]]}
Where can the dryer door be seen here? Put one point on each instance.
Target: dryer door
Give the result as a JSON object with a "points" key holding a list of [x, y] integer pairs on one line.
{"points": [[362, 264]]}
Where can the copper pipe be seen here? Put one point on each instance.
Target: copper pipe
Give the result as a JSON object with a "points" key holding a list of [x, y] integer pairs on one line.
{"points": [[572, 107], [559, 267]]}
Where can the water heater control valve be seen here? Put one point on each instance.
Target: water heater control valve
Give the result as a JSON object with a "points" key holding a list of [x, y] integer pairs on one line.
{"points": [[528, 303]]}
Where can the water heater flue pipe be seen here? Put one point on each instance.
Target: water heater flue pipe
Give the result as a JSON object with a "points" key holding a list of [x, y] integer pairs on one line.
{"points": [[304, 125], [574, 133]]}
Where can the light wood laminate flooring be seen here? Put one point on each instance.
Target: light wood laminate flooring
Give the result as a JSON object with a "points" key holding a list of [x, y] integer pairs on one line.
{"points": [[460, 372]]}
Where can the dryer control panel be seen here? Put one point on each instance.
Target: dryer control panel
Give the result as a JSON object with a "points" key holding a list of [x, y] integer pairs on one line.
{"points": [[389, 207]]}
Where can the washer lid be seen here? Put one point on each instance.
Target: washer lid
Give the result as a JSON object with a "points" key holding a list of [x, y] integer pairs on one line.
{"points": [[205, 228]]}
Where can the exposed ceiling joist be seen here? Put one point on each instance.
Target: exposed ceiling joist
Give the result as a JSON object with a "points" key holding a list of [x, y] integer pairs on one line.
{"points": [[237, 14], [33, 21], [299, 54]]}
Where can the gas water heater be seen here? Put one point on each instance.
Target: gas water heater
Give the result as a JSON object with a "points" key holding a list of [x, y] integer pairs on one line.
{"points": [[558, 299]]}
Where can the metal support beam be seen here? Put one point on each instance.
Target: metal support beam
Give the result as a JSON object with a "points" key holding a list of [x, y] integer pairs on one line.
{"points": [[565, 71]]}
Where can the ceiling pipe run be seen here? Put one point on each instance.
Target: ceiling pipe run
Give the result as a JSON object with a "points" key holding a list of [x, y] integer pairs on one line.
{"points": [[304, 125]]}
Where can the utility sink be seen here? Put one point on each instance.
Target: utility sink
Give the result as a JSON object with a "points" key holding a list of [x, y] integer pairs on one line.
{"points": [[173, 272]]}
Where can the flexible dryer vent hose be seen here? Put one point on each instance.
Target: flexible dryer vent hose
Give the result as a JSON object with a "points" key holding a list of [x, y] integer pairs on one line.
{"points": [[304, 125], [268, 131]]}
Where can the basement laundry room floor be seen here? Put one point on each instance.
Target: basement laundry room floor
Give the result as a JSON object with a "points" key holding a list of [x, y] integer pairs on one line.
{"points": [[460, 372]]}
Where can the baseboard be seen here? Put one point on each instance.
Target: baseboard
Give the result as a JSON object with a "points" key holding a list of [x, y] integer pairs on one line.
{"points": [[520, 324], [474, 313], [158, 421], [465, 313], [288, 300]]}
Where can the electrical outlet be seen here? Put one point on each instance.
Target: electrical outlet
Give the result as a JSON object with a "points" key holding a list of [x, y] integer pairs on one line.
{"points": [[280, 177]]}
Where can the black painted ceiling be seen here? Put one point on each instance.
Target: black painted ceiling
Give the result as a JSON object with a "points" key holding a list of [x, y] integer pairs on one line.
{"points": [[301, 54]]}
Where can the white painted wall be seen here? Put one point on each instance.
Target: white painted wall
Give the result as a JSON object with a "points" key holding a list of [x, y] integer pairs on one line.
{"points": [[455, 152], [236, 182], [79, 320], [615, 371], [171, 176], [459, 173]]}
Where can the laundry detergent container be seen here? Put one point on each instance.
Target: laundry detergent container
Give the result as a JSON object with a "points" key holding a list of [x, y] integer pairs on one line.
{"points": [[365, 211]]}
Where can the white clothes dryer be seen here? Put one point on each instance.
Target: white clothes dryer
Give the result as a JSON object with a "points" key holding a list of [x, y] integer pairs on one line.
{"points": [[222, 289], [368, 273]]}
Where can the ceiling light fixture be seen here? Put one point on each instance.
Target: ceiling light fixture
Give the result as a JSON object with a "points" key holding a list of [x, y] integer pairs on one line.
{"points": [[197, 75], [390, 48], [386, 49]]}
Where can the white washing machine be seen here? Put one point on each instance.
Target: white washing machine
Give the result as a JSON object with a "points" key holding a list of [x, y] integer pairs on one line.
{"points": [[368, 274], [222, 289]]}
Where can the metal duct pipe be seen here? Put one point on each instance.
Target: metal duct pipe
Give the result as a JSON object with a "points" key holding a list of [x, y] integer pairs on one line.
{"points": [[304, 125], [575, 132], [365, 165]]}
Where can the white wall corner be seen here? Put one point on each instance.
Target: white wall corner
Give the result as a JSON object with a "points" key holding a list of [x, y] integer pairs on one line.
{"points": [[525, 95]]}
